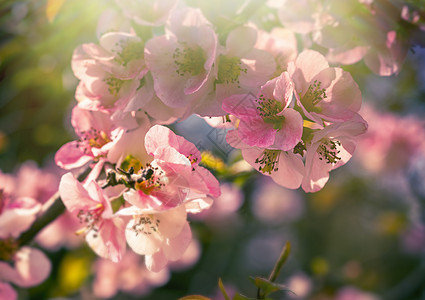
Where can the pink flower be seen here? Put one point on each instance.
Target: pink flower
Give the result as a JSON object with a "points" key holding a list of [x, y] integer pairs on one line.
{"points": [[101, 139], [161, 193], [284, 167], [145, 101], [174, 176], [94, 129], [7, 292], [241, 68], [267, 121], [323, 93], [110, 72], [329, 149], [391, 142], [40, 183], [16, 214], [129, 275], [352, 293], [160, 235], [373, 37], [104, 232], [181, 60], [274, 204], [30, 267], [225, 206]]}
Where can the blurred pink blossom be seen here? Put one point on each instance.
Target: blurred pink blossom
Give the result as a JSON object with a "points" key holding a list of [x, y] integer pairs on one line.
{"points": [[391, 142], [130, 275]]}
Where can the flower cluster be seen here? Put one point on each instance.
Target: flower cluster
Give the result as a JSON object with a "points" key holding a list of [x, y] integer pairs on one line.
{"points": [[19, 207], [309, 111], [294, 116]]}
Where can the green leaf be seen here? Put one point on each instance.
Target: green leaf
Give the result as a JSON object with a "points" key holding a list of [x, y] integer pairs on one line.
{"points": [[280, 262], [242, 297], [194, 297], [267, 287], [223, 290]]}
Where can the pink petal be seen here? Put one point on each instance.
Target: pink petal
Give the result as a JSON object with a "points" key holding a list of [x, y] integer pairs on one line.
{"points": [[317, 172], [308, 64], [97, 52], [347, 57], [74, 196], [260, 67], [176, 246], [7, 292], [70, 156], [211, 182], [172, 221], [32, 267], [109, 242], [84, 120], [255, 132], [161, 136], [130, 142], [198, 205], [344, 98], [146, 203], [156, 262], [233, 139], [18, 218], [241, 105], [292, 129], [240, 41], [290, 171], [140, 243], [283, 90]]}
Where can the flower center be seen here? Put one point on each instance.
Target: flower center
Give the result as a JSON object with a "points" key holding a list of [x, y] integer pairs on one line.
{"points": [[300, 148], [189, 60], [328, 151], [229, 69], [92, 138], [147, 181], [193, 160], [132, 50], [268, 110], [114, 85], [90, 218], [268, 160], [313, 96], [146, 224], [132, 174]]}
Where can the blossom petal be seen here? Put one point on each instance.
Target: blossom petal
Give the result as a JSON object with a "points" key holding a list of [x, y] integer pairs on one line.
{"points": [[74, 196], [15, 220], [161, 136], [290, 171], [70, 156], [175, 247], [109, 241], [32, 267], [7, 292], [292, 129]]}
